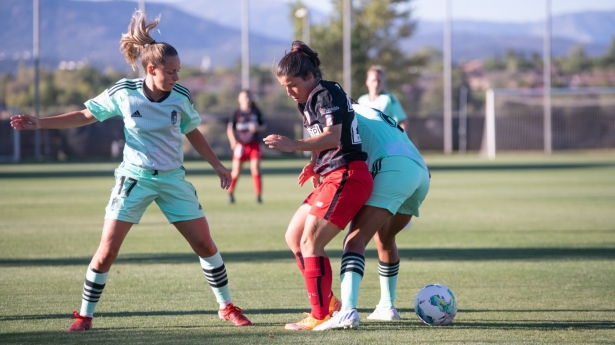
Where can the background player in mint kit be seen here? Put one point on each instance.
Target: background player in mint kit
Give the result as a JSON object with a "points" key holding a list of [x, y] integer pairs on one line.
{"points": [[156, 112], [401, 182], [337, 157], [380, 99], [243, 135]]}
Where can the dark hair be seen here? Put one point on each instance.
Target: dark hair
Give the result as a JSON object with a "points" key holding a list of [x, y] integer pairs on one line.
{"points": [[299, 62], [249, 94]]}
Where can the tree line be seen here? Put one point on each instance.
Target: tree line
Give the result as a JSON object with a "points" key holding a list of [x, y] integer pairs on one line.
{"points": [[379, 26]]}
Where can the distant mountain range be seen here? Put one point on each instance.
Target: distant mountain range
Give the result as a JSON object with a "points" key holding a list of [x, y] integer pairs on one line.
{"points": [[480, 39], [210, 31], [90, 31]]}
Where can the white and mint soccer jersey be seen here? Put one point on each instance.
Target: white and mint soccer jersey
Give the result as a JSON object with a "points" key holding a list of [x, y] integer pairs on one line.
{"points": [[401, 178], [387, 103], [378, 140], [153, 130]]}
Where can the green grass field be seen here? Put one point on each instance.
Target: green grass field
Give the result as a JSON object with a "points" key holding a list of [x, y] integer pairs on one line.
{"points": [[527, 243]]}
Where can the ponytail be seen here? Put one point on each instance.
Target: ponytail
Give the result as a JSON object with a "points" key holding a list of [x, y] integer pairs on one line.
{"points": [[137, 43], [299, 62]]}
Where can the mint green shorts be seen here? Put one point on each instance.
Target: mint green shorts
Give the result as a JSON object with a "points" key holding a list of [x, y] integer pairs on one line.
{"points": [[135, 189], [400, 186]]}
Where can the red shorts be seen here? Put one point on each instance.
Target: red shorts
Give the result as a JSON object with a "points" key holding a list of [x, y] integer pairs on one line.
{"points": [[341, 194], [246, 152]]}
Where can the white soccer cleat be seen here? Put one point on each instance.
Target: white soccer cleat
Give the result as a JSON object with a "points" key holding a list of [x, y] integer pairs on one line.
{"points": [[384, 314], [341, 320]]}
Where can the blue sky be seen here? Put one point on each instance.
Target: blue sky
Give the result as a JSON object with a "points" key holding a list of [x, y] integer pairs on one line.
{"points": [[495, 10], [484, 10], [505, 10]]}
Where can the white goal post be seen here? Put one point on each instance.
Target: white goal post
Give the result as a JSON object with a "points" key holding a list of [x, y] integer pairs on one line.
{"points": [[517, 120], [11, 141]]}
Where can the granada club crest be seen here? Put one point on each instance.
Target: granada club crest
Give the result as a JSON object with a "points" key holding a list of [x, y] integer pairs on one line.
{"points": [[174, 117]]}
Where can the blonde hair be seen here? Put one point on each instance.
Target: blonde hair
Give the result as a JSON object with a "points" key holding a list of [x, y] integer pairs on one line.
{"points": [[378, 69], [137, 43]]}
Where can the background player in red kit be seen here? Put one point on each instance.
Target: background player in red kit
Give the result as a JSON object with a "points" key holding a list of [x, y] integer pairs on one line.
{"points": [[337, 157], [243, 135]]}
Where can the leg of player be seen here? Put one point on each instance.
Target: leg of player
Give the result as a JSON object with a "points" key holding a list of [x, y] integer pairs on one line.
{"points": [[236, 167], [317, 233], [362, 229], [388, 266], [255, 170], [196, 232], [113, 234], [294, 232]]}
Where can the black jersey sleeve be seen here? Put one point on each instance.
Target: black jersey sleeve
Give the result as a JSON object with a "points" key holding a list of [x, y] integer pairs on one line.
{"points": [[259, 116], [331, 105], [232, 121]]}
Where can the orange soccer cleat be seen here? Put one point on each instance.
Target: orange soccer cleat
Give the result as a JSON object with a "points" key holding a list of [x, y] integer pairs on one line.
{"points": [[306, 324], [334, 305]]}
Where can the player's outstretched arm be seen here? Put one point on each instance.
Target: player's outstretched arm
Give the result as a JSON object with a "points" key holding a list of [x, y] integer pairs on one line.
{"points": [[328, 139], [68, 120], [201, 146]]}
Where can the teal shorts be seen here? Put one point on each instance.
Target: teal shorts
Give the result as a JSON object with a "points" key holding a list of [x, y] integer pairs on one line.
{"points": [[135, 189], [400, 186]]}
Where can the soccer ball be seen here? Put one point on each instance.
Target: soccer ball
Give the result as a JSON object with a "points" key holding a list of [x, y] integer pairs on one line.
{"points": [[435, 305]]}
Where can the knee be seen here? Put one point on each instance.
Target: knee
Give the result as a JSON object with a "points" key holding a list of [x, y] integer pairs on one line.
{"points": [[205, 249], [356, 244], [292, 242], [384, 243], [104, 258], [306, 246]]}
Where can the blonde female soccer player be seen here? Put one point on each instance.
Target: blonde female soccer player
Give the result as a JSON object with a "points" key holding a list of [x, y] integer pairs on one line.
{"points": [[156, 112], [337, 157]]}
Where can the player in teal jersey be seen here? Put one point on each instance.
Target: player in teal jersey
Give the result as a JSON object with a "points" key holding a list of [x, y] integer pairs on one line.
{"points": [[401, 182], [156, 112], [380, 99]]}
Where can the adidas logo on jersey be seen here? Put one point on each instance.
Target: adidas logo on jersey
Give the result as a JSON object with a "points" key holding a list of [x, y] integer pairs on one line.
{"points": [[319, 204], [136, 114]]}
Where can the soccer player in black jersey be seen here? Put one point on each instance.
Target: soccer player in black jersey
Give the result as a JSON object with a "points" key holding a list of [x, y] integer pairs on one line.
{"points": [[243, 134], [337, 169]]}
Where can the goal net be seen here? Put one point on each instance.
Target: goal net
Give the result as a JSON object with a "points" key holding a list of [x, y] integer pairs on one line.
{"points": [[517, 120]]}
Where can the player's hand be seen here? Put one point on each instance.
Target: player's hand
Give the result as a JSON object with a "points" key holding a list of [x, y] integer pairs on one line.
{"points": [[225, 176], [280, 143], [316, 181], [24, 122], [308, 173]]}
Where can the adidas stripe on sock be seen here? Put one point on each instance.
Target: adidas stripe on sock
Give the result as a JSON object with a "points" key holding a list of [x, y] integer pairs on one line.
{"points": [[92, 289], [215, 273], [388, 283], [351, 274]]}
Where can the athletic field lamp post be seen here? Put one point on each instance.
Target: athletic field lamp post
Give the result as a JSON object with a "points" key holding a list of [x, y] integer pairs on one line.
{"points": [[304, 14]]}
